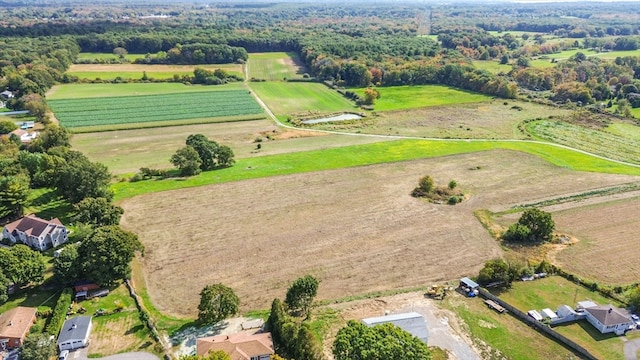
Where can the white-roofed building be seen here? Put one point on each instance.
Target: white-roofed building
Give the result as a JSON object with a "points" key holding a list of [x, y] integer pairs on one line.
{"points": [[412, 322]]}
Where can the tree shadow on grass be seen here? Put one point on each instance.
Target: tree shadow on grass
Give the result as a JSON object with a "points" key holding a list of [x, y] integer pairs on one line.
{"points": [[189, 332], [134, 329]]}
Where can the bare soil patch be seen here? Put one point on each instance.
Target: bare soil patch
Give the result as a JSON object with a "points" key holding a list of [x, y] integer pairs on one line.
{"points": [[357, 229], [608, 250]]}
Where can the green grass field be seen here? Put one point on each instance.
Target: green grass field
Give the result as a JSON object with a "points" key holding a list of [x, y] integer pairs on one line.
{"points": [[275, 66], [153, 108], [492, 66], [79, 91], [290, 97], [554, 291], [111, 75], [411, 97], [623, 143], [104, 56], [383, 152], [136, 71]]}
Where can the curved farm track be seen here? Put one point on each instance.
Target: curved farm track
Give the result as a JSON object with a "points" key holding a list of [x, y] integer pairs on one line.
{"points": [[356, 229]]}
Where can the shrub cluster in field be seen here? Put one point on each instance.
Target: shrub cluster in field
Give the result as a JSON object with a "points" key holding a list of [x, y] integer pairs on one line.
{"points": [[438, 194]]}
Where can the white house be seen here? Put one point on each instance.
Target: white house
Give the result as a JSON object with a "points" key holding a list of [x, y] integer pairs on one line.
{"points": [[37, 233], [7, 95], [24, 135], [607, 319], [412, 322], [75, 333]]}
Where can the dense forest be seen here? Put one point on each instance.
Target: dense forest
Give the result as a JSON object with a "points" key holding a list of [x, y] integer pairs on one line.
{"points": [[352, 45]]}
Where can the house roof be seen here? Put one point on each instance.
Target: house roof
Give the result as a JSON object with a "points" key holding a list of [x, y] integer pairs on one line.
{"points": [[240, 346], [76, 328], [15, 323], [33, 225], [411, 322], [609, 315]]}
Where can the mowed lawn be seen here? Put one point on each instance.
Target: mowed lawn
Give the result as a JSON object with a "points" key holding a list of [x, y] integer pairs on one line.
{"points": [[136, 71], [275, 66], [285, 98], [107, 56], [77, 91], [555, 291], [411, 97]]}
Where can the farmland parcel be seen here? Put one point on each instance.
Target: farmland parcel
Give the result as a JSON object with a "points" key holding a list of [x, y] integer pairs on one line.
{"points": [[75, 113]]}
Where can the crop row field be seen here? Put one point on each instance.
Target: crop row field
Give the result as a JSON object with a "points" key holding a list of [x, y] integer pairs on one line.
{"points": [[275, 66], [136, 71], [618, 146], [74, 113]]}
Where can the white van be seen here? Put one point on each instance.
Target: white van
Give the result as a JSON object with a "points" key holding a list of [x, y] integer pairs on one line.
{"points": [[64, 354]]}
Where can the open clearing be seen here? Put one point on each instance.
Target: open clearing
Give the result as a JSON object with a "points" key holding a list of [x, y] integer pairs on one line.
{"points": [[419, 96], [275, 66], [126, 151], [484, 120], [135, 71], [356, 229], [608, 247], [284, 98]]}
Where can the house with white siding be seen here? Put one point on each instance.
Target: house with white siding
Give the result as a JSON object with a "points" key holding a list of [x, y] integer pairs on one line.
{"points": [[35, 232]]}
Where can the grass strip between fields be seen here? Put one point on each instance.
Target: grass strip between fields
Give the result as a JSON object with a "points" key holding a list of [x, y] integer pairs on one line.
{"points": [[375, 153]]}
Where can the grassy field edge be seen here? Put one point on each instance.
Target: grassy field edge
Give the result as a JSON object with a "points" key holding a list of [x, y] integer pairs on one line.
{"points": [[376, 153]]}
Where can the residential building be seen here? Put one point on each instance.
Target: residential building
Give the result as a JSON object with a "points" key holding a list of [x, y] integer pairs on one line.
{"points": [[609, 319], [15, 325], [75, 333], [240, 346], [37, 233]]}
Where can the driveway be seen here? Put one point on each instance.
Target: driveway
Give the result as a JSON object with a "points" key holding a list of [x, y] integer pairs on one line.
{"points": [[631, 348], [81, 354]]}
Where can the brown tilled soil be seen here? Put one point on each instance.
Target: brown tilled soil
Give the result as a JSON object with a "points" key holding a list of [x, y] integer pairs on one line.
{"points": [[358, 230]]}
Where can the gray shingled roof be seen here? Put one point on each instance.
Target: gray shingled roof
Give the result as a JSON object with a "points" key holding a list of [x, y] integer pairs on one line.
{"points": [[609, 315], [412, 322], [74, 329]]}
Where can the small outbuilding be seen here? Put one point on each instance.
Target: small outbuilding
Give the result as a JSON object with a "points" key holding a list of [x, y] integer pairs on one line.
{"points": [[412, 322], [465, 282], [550, 314], [535, 315], [75, 333]]}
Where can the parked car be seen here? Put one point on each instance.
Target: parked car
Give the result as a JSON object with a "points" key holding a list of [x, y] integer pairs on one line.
{"points": [[64, 354]]}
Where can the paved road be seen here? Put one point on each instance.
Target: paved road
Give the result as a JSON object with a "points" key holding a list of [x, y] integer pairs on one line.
{"points": [[631, 348]]}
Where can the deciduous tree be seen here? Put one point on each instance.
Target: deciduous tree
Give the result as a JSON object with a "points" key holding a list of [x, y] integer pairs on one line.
{"points": [[37, 346], [540, 224], [187, 160], [217, 302], [67, 267], [22, 265], [107, 254], [357, 341], [14, 191], [98, 212], [301, 293]]}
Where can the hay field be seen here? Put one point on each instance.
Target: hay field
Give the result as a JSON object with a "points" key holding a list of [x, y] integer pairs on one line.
{"points": [[135, 71], [608, 248], [275, 66], [356, 229], [484, 120]]}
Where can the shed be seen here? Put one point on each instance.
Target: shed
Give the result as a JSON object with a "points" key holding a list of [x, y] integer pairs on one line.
{"points": [[412, 322], [465, 282], [75, 333], [535, 315], [565, 310], [548, 313], [586, 304]]}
